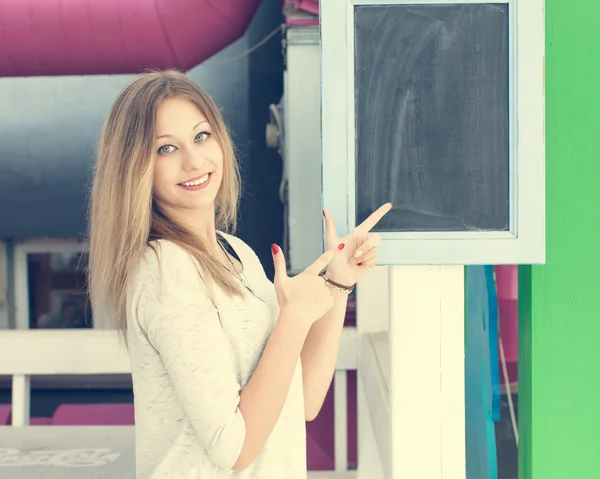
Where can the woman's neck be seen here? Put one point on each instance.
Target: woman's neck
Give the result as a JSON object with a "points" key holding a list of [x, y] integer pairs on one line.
{"points": [[208, 234], [200, 224]]}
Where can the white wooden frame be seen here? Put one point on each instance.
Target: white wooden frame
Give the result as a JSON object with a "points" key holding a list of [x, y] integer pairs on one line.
{"points": [[85, 352], [24, 353], [525, 242], [22, 249], [302, 154]]}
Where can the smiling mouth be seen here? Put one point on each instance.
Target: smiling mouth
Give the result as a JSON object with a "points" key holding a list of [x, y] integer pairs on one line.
{"points": [[197, 183]]}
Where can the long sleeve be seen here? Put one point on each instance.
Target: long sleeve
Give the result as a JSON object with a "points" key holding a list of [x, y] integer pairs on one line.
{"points": [[182, 324]]}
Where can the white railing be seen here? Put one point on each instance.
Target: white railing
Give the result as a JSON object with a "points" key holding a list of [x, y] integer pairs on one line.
{"points": [[40, 352], [26, 353]]}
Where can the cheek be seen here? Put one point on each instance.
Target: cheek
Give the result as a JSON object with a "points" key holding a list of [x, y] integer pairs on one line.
{"points": [[163, 172], [157, 181], [214, 153], [219, 162], [221, 173], [162, 179]]}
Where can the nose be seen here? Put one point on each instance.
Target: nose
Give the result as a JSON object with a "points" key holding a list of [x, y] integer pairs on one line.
{"points": [[192, 160]]}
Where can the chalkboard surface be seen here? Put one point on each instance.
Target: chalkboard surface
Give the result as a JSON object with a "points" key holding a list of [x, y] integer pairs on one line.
{"points": [[431, 116]]}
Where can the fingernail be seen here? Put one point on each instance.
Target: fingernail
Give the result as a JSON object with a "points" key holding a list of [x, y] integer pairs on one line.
{"points": [[274, 248], [341, 246], [358, 253], [323, 214]]}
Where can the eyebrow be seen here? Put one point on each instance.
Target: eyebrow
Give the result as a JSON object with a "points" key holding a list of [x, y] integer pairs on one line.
{"points": [[169, 136]]}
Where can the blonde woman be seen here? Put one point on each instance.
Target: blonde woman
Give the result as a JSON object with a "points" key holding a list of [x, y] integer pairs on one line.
{"points": [[226, 365]]}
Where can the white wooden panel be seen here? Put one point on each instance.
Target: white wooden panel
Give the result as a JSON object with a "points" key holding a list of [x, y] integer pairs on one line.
{"points": [[372, 315], [66, 351], [415, 337], [52, 245], [28, 351], [369, 458], [452, 353], [373, 301], [374, 362], [88, 351], [427, 354], [347, 354]]}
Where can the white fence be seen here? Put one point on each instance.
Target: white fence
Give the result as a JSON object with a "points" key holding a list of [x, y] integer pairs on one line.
{"points": [[27, 353]]}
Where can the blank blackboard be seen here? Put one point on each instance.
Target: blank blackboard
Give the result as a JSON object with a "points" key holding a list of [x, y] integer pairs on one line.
{"points": [[432, 116]]}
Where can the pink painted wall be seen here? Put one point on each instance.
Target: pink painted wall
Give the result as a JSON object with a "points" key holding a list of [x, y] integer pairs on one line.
{"points": [[507, 285]]}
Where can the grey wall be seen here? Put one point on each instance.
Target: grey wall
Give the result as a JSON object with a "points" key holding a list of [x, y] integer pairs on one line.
{"points": [[49, 127]]}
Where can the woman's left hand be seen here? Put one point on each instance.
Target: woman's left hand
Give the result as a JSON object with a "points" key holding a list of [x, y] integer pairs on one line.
{"points": [[359, 254]]}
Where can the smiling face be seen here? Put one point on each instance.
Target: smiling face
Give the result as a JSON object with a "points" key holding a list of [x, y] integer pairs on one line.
{"points": [[189, 160]]}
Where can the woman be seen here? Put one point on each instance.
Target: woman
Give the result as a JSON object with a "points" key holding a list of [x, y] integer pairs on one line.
{"points": [[226, 365]]}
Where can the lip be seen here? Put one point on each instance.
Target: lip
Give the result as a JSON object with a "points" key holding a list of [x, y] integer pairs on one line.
{"points": [[195, 178], [201, 186]]}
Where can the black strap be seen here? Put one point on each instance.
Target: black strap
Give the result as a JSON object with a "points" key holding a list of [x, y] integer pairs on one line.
{"points": [[228, 247]]}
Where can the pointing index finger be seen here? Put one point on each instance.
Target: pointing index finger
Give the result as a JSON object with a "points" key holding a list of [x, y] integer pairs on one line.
{"points": [[374, 218]]}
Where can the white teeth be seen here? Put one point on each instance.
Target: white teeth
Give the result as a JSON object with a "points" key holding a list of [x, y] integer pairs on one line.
{"points": [[197, 182]]}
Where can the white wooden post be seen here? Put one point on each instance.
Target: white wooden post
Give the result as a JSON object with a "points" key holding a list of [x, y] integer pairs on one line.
{"points": [[427, 372], [21, 400], [21, 383]]}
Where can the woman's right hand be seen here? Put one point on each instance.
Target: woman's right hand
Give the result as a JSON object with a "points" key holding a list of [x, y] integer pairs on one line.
{"points": [[306, 293]]}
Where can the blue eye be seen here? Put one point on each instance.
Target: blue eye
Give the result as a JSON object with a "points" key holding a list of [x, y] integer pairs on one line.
{"points": [[163, 150], [200, 137], [204, 134]]}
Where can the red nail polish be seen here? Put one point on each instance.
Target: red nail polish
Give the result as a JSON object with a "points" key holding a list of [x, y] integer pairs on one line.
{"points": [[324, 214], [274, 249], [341, 246]]}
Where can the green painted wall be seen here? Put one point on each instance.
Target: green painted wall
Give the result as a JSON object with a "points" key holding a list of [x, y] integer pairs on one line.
{"points": [[559, 377]]}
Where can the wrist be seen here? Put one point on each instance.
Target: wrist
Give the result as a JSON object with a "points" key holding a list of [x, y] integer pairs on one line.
{"points": [[338, 296], [340, 281]]}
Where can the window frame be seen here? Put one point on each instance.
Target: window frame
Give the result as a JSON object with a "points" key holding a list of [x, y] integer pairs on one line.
{"points": [[21, 274], [524, 243], [4, 286]]}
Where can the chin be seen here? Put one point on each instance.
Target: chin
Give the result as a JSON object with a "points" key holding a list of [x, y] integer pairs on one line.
{"points": [[202, 204]]}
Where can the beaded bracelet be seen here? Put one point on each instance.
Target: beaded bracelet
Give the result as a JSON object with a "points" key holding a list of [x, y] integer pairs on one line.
{"points": [[338, 287]]}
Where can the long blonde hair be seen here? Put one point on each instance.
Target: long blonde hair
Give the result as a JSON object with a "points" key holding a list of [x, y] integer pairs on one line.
{"points": [[124, 217]]}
